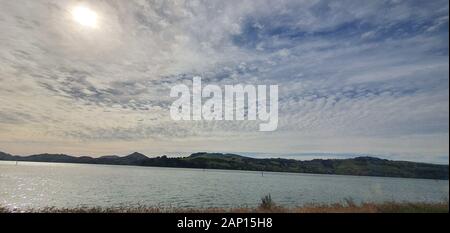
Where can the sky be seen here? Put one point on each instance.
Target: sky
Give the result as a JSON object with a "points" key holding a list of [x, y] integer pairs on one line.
{"points": [[355, 77]]}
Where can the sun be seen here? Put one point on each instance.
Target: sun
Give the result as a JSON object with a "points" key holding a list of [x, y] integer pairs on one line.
{"points": [[85, 16]]}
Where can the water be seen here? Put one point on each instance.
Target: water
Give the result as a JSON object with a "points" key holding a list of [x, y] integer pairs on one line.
{"points": [[72, 185]]}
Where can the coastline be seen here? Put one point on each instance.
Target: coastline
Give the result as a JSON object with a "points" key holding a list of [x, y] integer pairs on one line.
{"points": [[359, 166], [347, 206]]}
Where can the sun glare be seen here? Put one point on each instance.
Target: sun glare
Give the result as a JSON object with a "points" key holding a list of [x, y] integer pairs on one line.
{"points": [[85, 16]]}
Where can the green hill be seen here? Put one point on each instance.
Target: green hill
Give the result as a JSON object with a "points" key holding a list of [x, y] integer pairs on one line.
{"points": [[360, 166]]}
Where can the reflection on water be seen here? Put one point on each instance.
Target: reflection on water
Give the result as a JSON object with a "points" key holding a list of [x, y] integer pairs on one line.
{"points": [[69, 185]]}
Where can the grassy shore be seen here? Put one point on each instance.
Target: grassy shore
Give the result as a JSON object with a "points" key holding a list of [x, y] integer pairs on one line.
{"points": [[266, 206]]}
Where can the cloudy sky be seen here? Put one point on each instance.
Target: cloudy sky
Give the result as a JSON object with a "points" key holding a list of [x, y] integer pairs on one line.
{"points": [[355, 77]]}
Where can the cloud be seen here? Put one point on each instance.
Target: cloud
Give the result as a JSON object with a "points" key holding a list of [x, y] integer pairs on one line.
{"points": [[354, 77]]}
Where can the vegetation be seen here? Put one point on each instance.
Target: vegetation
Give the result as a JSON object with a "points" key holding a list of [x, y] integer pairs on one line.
{"points": [[267, 203], [267, 206], [360, 166]]}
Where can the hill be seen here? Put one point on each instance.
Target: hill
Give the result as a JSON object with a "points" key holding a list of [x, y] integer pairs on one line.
{"points": [[360, 166]]}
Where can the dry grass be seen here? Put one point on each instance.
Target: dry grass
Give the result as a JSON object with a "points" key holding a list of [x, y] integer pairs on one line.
{"points": [[388, 207], [266, 206]]}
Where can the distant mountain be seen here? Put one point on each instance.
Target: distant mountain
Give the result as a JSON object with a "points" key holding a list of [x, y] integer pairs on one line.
{"points": [[360, 166]]}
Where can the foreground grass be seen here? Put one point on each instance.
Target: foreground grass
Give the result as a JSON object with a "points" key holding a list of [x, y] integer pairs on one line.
{"points": [[347, 207]]}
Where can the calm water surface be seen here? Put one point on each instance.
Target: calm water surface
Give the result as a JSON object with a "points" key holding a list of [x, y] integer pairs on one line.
{"points": [[70, 185]]}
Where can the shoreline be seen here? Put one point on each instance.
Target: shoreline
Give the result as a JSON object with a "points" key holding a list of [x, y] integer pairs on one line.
{"points": [[230, 170], [266, 206], [23, 159]]}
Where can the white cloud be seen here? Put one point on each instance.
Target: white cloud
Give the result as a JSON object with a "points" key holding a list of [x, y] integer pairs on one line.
{"points": [[356, 77]]}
